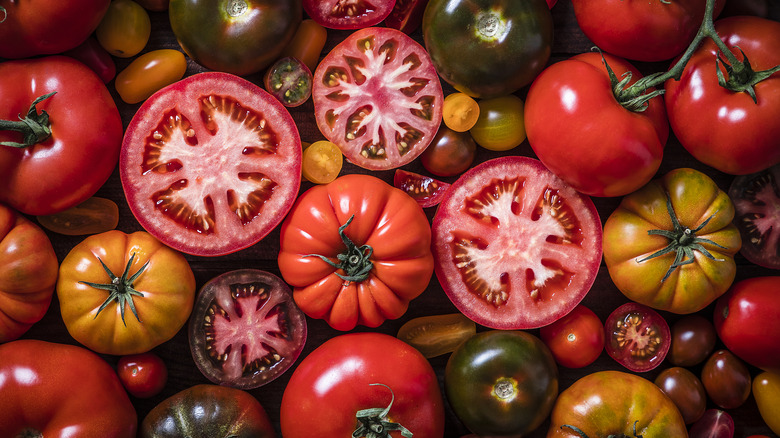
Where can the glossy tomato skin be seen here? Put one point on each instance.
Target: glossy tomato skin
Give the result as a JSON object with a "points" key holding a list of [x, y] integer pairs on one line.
{"points": [[434, 335], [37, 380], [406, 15], [582, 134], [450, 153], [747, 319], [693, 340], [208, 411], [720, 128], [501, 383], [143, 375], [74, 162], [577, 339], [610, 403], [94, 56], [234, 36], [685, 390], [350, 364], [125, 29], [149, 73], [726, 379], [384, 218], [715, 423], [488, 48]]}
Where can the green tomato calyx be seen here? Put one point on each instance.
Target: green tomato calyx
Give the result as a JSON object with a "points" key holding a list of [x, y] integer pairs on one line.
{"points": [[120, 289], [742, 77], [355, 261], [35, 126], [373, 423]]}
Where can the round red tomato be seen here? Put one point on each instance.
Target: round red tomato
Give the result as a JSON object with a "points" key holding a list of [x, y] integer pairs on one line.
{"points": [[358, 382], [637, 337], [143, 375], [514, 246], [349, 14], [585, 136], [756, 200], [378, 97], [211, 164], [577, 339], [721, 128]]}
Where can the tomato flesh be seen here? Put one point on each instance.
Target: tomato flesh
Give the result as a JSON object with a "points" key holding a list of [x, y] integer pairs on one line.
{"points": [[756, 200], [348, 14], [637, 337], [425, 190]]}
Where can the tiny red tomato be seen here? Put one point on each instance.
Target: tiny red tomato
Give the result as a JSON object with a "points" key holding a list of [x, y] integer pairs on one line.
{"points": [[577, 339], [637, 337], [143, 375]]}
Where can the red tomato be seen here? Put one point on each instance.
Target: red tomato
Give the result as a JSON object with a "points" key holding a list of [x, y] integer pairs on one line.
{"points": [[579, 130], [577, 339], [360, 375], [94, 56], [211, 164], [721, 128], [427, 191], [726, 379], [57, 171], [514, 246], [637, 337], [756, 202], [407, 15], [715, 423], [747, 319], [59, 390], [143, 375], [348, 14], [378, 97]]}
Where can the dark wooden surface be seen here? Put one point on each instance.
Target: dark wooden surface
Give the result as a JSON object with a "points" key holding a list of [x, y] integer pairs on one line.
{"points": [[603, 297]]}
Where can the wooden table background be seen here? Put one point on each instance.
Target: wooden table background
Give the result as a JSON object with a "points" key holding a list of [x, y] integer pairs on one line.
{"points": [[603, 297]]}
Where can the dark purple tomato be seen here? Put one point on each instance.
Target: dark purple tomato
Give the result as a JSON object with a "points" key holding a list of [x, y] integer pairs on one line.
{"points": [[693, 340], [450, 153], [756, 200], [726, 379], [685, 390]]}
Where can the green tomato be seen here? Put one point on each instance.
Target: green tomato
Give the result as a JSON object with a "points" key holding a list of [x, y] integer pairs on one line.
{"points": [[500, 125]]}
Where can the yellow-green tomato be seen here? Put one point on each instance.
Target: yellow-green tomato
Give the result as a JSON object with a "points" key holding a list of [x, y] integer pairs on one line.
{"points": [[766, 391], [500, 125], [125, 29], [149, 73]]}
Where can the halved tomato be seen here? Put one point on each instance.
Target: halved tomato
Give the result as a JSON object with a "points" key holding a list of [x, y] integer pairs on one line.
{"points": [[211, 164], [756, 200], [427, 191], [348, 14], [378, 97], [515, 247], [637, 337]]}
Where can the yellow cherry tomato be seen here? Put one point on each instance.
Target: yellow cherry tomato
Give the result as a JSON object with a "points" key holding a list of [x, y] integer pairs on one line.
{"points": [[149, 73], [125, 29], [322, 162], [460, 112], [766, 391], [500, 125], [307, 44]]}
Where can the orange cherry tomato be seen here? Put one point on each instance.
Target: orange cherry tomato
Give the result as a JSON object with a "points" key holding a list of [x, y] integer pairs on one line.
{"points": [[460, 112], [322, 162], [125, 29], [149, 73], [307, 44]]}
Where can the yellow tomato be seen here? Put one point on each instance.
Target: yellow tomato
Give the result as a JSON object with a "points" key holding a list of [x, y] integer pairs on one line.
{"points": [[500, 125], [125, 29], [460, 112], [766, 390], [322, 162], [149, 73]]}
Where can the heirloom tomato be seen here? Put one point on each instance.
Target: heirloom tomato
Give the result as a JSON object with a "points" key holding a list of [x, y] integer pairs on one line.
{"points": [[500, 125], [66, 146], [378, 98], [637, 337], [356, 251], [693, 340], [211, 164], [289, 81], [515, 247], [435, 335], [685, 390], [28, 273], [460, 112], [348, 14], [357, 383], [614, 403], [577, 339], [208, 411], [234, 36], [488, 48], [581, 132], [756, 200], [124, 293], [427, 191], [143, 375], [766, 391], [730, 131], [60, 390], [726, 379], [671, 244]]}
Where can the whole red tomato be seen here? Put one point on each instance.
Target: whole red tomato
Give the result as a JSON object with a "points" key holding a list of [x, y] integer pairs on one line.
{"points": [[721, 128], [59, 390], [377, 378], [577, 339], [70, 144], [143, 375]]}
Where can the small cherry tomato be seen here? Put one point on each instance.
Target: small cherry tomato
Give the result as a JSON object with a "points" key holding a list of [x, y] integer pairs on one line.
{"points": [[307, 43], [425, 190], [125, 29], [577, 339], [437, 334], [93, 216], [289, 80], [500, 126], [450, 153], [713, 424], [685, 390], [94, 56], [143, 375], [693, 340], [322, 162], [637, 337], [766, 391], [149, 73], [726, 379], [460, 112]]}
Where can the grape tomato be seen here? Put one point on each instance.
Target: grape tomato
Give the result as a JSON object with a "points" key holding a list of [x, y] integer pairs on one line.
{"points": [[149, 73], [435, 335]]}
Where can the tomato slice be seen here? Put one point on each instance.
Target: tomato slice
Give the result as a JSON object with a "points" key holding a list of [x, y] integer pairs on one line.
{"points": [[637, 337], [756, 200], [378, 97], [348, 14], [211, 164], [515, 247], [289, 81], [425, 190]]}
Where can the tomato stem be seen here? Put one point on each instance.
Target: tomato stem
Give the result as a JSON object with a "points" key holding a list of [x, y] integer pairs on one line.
{"points": [[35, 127], [355, 261], [120, 289], [373, 423]]}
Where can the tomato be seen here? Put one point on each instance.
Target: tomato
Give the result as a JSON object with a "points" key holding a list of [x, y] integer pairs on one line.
{"points": [[726, 379], [28, 273], [245, 330], [747, 319], [289, 81], [713, 424], [501, 383], [585, 136], [642, 31], [427, 191], [693, 340], [406, 15], [756, 200], [348, 14], [94, 56], [500, 125], [488, 49], [450, 153], [143, 375], [515, 247], [208, 411], [149, 73], [460, 112], [307, 43], [124, 293], [125, 29], [617, 404], [766, 391], [58, 170], [44, 27], [378, 97], [377, 378], [322, 162], [234, 36], [685, 390], [356, 251], [721, 128], [435, 335], [671, 244], [577, 339], [234, 192], [59, 390], [637, 337], [93, 216]]}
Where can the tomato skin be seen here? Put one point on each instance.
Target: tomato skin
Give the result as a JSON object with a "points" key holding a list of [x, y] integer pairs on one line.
{"points": [[434, 335], [94, 56], [78, 157], [577, 339], [693, 340], [406, 15], [350, 363], [143, 375], [766, 390], [726, 379], [715, 423], [500, 126], [685, 390], [28, 273], [125, 29], [720, 128], [307, 43], [450, 153], [582, 134], [149, 73], [37, 381]]}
